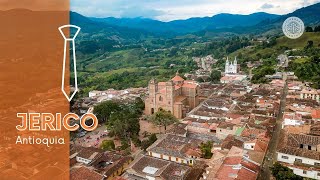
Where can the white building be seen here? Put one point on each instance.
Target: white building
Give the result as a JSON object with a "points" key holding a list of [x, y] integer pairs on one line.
{"points": [[231, 67], [310, 93], [292, 119], [301, 153]]}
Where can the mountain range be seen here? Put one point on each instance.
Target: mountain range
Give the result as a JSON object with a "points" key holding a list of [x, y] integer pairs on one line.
{"points": [[189, 25], [137, 28]]}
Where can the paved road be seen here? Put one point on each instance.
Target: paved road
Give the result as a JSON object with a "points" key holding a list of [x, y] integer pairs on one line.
{"points": [[271, 155]]}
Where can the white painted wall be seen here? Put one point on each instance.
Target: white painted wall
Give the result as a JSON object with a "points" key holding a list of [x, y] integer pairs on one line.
{"points": [[83, 160], [249, 146], [291, 122], [309, 173], [291, 159]]}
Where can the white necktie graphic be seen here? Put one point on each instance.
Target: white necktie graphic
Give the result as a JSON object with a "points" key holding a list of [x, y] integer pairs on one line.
{"points": [[71, 41]]}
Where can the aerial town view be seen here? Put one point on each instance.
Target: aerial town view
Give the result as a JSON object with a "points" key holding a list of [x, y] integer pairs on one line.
{"points": [[223, 103], [185, 90]]}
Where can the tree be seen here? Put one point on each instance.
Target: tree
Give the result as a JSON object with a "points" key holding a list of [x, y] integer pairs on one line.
{"points": [[139, 104], [107, 145], [317, 29], [281, 172], [206, 149], [163, 118], [104, 109], [309, 29], [146, 143], [199, 79], [309, 44], [215, 76]]}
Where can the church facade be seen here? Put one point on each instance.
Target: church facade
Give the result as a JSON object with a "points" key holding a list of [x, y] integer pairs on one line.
{"points": [[177, 95], [231, 67]]}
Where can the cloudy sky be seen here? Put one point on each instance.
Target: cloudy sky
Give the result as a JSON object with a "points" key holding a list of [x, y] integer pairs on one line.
{"points": [[166, 10]]}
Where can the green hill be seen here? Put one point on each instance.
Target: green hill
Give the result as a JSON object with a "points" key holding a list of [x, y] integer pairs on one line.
{"points": [[300, 42]]}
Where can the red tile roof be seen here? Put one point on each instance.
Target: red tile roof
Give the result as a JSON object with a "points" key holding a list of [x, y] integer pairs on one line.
{"points": [[84, 173], [190, 85], [315, 114], [177, 78]]}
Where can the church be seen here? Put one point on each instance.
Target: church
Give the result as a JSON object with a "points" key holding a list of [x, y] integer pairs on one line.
{"points": [[177, 96], [231, 67], [232, 72]]}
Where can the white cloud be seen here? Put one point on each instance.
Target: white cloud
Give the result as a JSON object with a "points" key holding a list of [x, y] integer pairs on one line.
{"points": [[167, 10]]}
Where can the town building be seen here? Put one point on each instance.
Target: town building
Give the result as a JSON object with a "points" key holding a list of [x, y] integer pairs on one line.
{"points": [[231, 67], [231, 72], [309, 93], [176, 148], [177, 96], [150, 168], [237, 165], [301, 153]]}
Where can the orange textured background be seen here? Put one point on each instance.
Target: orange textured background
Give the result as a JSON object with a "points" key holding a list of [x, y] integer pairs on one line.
{"points": [[31, 52]]}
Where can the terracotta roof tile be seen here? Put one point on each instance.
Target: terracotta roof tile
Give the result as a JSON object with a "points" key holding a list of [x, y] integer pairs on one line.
{"points": [[84, 173]]}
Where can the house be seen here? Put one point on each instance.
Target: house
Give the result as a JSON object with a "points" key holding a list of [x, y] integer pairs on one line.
{"points": [[176, 148], [256, 145], [225, 128], [179, 129], [111, 165], [96, 161], [237, 165], [309, 93], [301, 153], [232, 140], [85, 173], [229, 78], [200, 126], [85, 155], [150, 168], [315, 114], [292, 119]]}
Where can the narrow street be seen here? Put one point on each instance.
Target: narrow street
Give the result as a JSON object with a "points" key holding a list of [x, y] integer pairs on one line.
{"points": [[271, 155]]}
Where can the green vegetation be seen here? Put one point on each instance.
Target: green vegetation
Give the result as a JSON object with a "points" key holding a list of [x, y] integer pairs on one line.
{"points": [[215, 76], [121, 118], [107, 145], [267, 68], [163, 118], [146, 143], [308, 67], [281, 172], [131, 59], [206, 149]]}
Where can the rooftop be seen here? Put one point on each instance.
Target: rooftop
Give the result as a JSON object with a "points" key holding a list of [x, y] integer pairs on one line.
{"points": [[173, 145], [84, 173]]}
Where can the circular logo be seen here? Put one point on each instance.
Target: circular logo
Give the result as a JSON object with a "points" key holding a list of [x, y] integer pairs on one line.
{"points": [[293, 27]]}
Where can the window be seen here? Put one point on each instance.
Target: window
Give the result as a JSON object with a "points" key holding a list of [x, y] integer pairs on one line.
{"points": [[252, 146], [304, 172], [318, 174], [317, 164], [284, 157], [301, 145], [160, 98], [298, 160], [309, 147]]}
